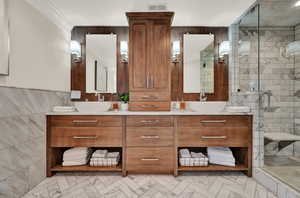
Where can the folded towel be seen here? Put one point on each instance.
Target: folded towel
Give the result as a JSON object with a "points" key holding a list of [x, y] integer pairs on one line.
{"points": [[76, 158], [222, 163], [113, 155], [63, 109], [184, 153], [71, 163], [100, 153]]}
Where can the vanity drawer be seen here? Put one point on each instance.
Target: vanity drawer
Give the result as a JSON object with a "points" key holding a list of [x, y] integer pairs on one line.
{"points": [[149, 96], [149, 106], [86, 121], [150, 160], [213, 136], [153, 136], [149, 121], [214, 121], [87, 136]]}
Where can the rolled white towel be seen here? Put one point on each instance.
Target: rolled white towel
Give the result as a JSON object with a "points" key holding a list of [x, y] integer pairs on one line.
{"points": [[184, 153]]}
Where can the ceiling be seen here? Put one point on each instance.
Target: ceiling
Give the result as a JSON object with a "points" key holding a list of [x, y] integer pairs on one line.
{"points": [[187, 12], [274, 13]]}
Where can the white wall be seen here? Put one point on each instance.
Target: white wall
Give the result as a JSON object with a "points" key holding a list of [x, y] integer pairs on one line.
{"points": [[39, 55]]}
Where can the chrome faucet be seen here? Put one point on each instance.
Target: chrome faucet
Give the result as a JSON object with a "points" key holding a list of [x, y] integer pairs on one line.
{"points": [[99, 98], [203, 98]]}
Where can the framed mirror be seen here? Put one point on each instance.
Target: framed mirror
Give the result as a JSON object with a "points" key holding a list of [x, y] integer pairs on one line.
{"points": [[4, 38], [101, 63], [198, 63]]}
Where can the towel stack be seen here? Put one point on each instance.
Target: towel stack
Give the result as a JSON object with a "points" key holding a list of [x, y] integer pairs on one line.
{"points": [[104, 158], [221, 156], [76, 156], [187, 158]]}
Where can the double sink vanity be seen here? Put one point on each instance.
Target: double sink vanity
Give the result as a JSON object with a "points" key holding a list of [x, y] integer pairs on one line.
{"points": [[153, 72], [149, 141]]}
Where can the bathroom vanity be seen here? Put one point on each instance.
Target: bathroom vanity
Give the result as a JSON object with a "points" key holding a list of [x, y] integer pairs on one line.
{"points": [[149, 141], [150, 134]]}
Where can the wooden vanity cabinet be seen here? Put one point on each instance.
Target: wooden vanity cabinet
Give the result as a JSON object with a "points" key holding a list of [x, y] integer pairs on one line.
{"points": [[149, 61], [150, 143]]}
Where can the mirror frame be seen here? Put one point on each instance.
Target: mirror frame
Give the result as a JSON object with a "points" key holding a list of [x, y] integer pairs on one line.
{"points": [[78, 68], [221, 85]]}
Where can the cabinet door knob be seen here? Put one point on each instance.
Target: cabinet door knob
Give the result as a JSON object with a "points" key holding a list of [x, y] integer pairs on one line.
{"points": [[213, 137]]}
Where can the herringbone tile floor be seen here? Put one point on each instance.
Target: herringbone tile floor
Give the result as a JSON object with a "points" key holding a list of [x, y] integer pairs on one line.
{"points": [[112, 185]]}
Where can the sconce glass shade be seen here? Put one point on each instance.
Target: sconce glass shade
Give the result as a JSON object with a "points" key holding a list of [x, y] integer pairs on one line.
{"points": [[224, 48], [175, 50], [75, 48], [244, 48], [124, 51], [293, 48]]}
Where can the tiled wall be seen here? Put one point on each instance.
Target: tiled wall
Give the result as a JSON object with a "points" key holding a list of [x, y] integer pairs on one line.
{"points": [[297, 92], [277, 75], [236, 82], [23, 140]]}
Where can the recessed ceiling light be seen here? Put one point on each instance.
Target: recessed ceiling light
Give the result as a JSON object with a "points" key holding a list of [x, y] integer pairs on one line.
{"points": [[297, 4]]}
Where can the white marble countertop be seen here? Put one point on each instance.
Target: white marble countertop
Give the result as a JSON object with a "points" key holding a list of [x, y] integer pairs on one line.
{"points": [[116, 113]]}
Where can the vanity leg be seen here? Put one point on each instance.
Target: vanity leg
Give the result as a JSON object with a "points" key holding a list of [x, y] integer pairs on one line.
{"points": [[124, 173], [249, 173]]}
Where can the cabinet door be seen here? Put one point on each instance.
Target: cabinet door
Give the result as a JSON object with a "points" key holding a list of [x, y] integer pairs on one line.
{"points": [[138, 55], [159, 61]]}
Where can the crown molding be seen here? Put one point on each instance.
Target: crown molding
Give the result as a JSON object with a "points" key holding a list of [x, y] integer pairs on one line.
{"points": [[47, 8]]}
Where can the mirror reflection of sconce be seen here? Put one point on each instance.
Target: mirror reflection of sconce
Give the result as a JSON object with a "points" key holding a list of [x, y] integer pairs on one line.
{"points": [[175, 51], [244, 48], [75, 50], [124, 51], [291, 49]]}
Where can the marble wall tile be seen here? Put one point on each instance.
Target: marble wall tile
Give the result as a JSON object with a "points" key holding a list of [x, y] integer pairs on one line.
{"points": [[23, 137]]}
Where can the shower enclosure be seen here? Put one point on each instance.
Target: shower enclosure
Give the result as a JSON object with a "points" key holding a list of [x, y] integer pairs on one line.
{"points": [[266, 64]]}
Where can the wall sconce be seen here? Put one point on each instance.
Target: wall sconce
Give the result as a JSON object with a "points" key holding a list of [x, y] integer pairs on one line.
{"points": [[124, 51], [75, 50], [175, 51], [224, 49]]}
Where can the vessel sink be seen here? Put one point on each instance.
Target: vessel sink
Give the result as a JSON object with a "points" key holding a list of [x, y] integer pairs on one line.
{"points": [[90, 107], [206, 107]]}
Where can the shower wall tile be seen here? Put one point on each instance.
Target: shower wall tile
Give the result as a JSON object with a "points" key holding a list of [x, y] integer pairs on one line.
{"points": [[23, 137], [297, 93]]}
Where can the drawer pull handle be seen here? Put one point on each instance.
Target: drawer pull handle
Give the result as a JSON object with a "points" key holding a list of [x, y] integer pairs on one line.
{"points": [[150, 159], [213, 137], [149, 97], [150, 137], [84, 137], [213, 121], [149, 106], [86, 121], [149, 121]]}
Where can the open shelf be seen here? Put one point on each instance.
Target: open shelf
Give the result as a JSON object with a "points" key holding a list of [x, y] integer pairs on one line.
{"points": [[60, 168], [213, 167]]}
